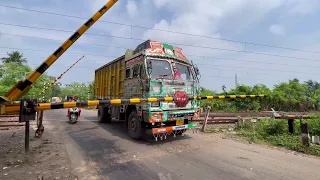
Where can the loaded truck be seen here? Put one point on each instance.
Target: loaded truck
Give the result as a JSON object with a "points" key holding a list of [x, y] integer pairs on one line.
{"points": [[152, 70]]}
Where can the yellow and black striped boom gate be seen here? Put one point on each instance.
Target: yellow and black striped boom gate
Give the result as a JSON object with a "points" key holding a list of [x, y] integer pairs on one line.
{"points": [[58, 78], [23, 87], [47, 106]]}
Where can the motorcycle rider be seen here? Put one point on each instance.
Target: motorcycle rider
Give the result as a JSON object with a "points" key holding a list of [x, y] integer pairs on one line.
{"points": [[73, 99]]}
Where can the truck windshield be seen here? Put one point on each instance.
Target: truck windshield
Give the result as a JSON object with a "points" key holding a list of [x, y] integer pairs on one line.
{"points": [[160, 69], [183, 72]]}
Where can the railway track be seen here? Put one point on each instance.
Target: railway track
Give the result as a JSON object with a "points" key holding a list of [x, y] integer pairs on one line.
{"points": [[232, 118], [223, 120], [9, 121]]}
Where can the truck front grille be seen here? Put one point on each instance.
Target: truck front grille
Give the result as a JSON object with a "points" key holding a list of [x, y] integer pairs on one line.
{"points": [[173, 117]]}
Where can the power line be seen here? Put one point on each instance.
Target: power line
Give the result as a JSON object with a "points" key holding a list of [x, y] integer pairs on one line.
{"points": [[257, 68], [217, 68], [228, 59], [18, 35], [232, 77], [217, 65], [222, 49], [130, 38], [26, 49], [209, 57], [156, 29]]}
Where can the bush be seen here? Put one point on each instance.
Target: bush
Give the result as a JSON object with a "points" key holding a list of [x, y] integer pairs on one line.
{"points": [[244, 125], [264, 127], [275, 127], [314, 125], [275, 132]]}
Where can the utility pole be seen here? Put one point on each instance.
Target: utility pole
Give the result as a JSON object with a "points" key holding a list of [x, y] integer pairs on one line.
{"points": [[88, 92], [236, 80]]}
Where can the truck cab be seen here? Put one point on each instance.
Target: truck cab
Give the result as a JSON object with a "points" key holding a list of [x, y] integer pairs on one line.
{"points": [[157, 70]]}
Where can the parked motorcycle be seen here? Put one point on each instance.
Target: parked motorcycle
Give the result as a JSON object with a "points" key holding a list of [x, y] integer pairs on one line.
{"points": [[73, 115]]}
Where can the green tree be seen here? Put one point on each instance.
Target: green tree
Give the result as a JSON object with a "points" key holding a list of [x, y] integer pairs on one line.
{"points": [[244, 104], [290, 96], [265, 102], [37, 88], [224, 88], [11, 74], [91, 89], [75, 90], [14, 72], [14, 57], [312, 93]]}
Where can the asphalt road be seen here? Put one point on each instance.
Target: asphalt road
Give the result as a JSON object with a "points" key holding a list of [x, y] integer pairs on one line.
{"points": [[104, 151]]}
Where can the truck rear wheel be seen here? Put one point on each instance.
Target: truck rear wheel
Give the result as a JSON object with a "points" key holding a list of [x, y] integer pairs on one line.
{"points": [[103, 115], [136, 128]]}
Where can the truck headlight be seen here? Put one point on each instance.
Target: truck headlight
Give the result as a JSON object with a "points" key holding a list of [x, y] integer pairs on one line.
{"points": [[156, 87], [157, 116]]}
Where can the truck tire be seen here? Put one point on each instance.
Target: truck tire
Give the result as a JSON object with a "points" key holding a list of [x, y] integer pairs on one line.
{"points": [[103, 115], [136, 128]]}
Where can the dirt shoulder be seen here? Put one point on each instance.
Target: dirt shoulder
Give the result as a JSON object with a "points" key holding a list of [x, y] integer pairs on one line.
{"points": [[47, 158]]}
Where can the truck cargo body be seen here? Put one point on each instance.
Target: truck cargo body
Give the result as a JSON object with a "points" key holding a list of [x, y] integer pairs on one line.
{"points": [[153, 69]]}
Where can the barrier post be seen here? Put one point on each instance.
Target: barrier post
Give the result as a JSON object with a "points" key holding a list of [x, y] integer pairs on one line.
{"points": [[304, 134], [40, 127], [291, 126], [27, 134], [205, 121]]}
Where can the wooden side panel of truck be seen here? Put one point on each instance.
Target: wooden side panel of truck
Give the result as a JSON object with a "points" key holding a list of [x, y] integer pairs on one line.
{"points": [[109, 80]]}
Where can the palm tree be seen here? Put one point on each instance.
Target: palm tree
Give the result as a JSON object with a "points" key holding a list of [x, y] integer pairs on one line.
{"points": [[14, 57]]}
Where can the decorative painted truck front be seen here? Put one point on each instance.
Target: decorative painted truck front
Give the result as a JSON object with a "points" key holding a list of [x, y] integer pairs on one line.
{"points": [[171, 74], [152, 70], [169, 111]]}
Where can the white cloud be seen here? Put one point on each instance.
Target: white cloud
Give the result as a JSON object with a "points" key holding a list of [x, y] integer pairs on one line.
{"points": [[277, 29], [210, 18], [132, 8], [160, 3], [206, 18], [95, 5], [303, 6]]}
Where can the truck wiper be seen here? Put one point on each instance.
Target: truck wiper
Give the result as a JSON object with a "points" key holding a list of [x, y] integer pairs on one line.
{"points": [[162, 76]]}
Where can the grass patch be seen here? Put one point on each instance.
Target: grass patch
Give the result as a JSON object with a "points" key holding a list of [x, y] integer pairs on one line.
{"points": [[275, 132], [216, 129]]}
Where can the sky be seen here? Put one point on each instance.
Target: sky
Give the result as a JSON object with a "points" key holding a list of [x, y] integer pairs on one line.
{"points": [[266, 41]]}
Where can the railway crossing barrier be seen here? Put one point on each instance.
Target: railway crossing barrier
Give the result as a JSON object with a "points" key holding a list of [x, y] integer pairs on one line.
{"points": [[12, 108], [22, 87], [28, 108], [58, 78]]}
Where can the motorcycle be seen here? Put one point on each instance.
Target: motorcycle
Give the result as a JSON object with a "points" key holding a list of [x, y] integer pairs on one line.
{"points": [[73, 115]]}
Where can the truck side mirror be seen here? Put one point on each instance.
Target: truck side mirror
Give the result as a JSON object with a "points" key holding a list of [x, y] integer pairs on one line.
{"points": [[196, 69]]}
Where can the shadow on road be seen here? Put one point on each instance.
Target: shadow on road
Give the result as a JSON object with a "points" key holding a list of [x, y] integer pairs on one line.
{"points": [[117, 128]]}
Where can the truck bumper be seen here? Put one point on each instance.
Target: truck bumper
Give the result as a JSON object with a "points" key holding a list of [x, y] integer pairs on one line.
{"points": [[174, 128]]}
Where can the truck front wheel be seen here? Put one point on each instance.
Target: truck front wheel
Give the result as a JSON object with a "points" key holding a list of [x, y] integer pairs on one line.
{"points": [[136, 128], [103, 115]]}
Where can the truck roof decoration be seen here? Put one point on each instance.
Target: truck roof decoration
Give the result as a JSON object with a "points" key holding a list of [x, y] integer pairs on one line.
{"points": [[156, 48]]}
